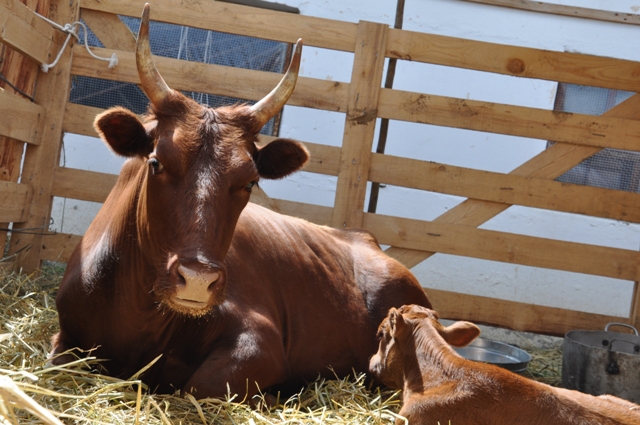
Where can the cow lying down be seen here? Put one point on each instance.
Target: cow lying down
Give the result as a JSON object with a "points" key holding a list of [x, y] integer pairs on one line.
{"points": [[439, 386], [179, 267]]}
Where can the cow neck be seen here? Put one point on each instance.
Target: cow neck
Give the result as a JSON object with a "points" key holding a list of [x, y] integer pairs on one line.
{"points": [[146, 246], [429, 360], [120, 232]]}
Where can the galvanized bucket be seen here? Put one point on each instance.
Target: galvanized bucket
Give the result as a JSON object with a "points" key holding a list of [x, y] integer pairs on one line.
{"points": [[597, 362]]}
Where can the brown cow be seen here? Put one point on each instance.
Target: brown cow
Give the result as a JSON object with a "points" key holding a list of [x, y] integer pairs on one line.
{"points": [[177, 263], [439, 386]]}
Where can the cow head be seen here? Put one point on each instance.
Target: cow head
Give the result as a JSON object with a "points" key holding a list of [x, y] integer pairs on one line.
{"points": [[408, 331], [196, 167]]}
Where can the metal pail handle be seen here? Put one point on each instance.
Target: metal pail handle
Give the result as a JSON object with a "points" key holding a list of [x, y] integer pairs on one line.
{"points": [[606, 328]]}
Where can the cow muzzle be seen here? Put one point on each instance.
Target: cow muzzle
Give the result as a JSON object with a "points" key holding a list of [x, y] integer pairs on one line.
{"points": [[197, 287]]}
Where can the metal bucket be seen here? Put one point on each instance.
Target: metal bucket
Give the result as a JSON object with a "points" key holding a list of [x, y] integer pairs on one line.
{"points": [[597, 362]]}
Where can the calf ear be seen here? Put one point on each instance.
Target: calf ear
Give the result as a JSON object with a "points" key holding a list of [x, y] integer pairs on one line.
{"points": [[124, 132], [460, 334], [280, 158], [397, 324]]}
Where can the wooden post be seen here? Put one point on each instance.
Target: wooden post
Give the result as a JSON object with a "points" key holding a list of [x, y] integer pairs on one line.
{"points": [[635, 306], [21, 72], [634, 319], [362, 111], [41, 160]]}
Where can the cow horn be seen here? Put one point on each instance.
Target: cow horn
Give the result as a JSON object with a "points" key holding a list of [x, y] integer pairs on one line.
{"points": [[153, 84], [272, 103]]}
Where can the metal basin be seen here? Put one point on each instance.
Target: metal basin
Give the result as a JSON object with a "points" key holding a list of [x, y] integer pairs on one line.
{"points": [[496, 353]]}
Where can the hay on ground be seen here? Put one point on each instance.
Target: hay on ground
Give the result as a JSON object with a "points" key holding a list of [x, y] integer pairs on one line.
{"points": [[33, 392]]}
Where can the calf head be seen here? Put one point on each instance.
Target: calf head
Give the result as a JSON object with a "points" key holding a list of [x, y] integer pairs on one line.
{"points": [[409, 331], [196, 167]]}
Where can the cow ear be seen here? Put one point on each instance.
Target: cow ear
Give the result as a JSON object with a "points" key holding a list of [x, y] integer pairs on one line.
{"points": [[280, 158], [124, 132], [460, 334], [397, 324]]}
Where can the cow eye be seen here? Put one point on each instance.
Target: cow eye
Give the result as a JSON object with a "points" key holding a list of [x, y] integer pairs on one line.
{"points": [[250, 185], [156, 166]]}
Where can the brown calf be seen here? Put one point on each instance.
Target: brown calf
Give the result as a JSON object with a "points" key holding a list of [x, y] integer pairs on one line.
{"points": [[441, 387]]}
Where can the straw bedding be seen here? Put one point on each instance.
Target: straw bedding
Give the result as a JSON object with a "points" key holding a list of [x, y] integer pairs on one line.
{"points": [[32, 392]]}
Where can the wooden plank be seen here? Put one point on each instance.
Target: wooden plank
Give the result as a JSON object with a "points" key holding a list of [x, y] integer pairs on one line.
{"points": [[515, 315], [317, 214], [25, 32], [505, 188], [323, 159], [78, 119], [551, 163], [40, 161], [559, 9], [331, 34], [214, 79], [81, 184], [566, 67], [21, 119], [313, 213], [366, 79], [15, 199], [588, 130], [58, 246], [237, 19], [110, 30], [504, 247], [635, 305]]}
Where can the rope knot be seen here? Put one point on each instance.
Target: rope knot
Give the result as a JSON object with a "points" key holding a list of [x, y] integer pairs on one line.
{"points": [[71, 30]]}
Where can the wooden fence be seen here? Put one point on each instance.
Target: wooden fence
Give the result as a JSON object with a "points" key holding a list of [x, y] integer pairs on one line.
{"points": [[41, 123]]}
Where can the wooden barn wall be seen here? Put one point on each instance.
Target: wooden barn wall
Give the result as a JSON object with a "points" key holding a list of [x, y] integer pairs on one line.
{"points": [[41, 123]]}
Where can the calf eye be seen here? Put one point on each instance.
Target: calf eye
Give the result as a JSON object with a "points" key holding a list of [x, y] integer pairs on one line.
{"points": [[250, 185], [156, 166]]}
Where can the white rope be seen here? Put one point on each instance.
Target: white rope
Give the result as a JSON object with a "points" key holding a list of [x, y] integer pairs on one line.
{"points": [[71, 30]]}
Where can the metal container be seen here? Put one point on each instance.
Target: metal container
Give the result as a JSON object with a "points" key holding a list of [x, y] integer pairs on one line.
{"points": [[597, 362], [496, 353]]}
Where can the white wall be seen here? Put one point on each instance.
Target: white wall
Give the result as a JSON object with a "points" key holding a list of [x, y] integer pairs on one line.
{"points": [[451, 146]]}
